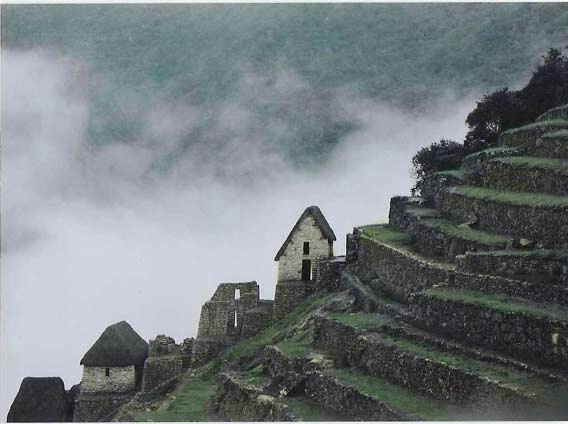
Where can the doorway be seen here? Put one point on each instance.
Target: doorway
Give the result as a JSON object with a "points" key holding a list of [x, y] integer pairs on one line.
{"points": [[306, 269]]}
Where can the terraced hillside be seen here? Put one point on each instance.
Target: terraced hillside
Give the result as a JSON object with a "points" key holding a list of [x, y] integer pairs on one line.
{"points": [[455, 309]]}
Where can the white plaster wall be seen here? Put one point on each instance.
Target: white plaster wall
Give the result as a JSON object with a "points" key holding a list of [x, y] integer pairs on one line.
{"points": [[121, 379], [290, 263]]}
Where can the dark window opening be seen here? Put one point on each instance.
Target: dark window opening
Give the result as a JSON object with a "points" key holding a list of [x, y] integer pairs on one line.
{"points": [[107, 372], [306, 248], [306, 270]]}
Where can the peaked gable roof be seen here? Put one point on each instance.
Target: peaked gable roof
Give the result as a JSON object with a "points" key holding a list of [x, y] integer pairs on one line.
{"points": [[118, 346], [320, 221]]}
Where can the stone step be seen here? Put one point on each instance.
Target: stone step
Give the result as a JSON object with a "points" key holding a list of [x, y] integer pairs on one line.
{"points": [[438, 236], [370, 398], [529, 136], [389, 264], [540, 265], [526, 330], [434, 372], [527, 174], [560, 112], [472, 163], [393, 268], [550, 145], [541, 218]]}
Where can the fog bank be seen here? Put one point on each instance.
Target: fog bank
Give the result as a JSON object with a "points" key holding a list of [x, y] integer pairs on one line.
{"points": [[92, 235]]}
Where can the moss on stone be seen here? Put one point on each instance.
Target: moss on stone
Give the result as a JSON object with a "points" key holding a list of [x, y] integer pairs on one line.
{"points": [[498, 303], [398, 397], [539, 124], [513, 197], [493, 151], [388, 234], [456, 173], [536, 253], [454, 229], [536, 162], [557, 134]]}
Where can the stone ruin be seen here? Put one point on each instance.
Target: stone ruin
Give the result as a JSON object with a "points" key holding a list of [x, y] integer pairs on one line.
{"points": [[166, 360], [234, 311]]}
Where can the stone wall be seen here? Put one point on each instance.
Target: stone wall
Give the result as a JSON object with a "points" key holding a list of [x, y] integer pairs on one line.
{"points": [[433, 183], [258, 319], [237, 401], [501, 175], [290, 262], [120, 379], [92, 407], [159, 369], [352, 246], [560, 112], [357, 348], [343, 399], [528, 136], [289, 294], [546, 224], [520, 334], [545, 267], [328, 273], [207, 348], [218, 314], [430, 239], [397, 273]]}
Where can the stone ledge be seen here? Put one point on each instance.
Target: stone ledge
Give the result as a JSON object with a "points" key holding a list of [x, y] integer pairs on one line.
{"points": [[546, 224], [357, 348], [344, 399], [502, 174], [560, 112], [438, 236], [542, 339], [528, 135]]}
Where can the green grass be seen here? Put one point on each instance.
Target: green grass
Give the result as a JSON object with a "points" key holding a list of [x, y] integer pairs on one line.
{"points": [[536, 162], [310, 411], [388, 234], [250, 347], [494, 151], [512, 197], [373, 322], [556, 134], [191, 396], [537, 253], [456, 173], [361, 320], [256, 376], [539, 124], [455, 230], [296, 348], [398, 397], [496, 302]]}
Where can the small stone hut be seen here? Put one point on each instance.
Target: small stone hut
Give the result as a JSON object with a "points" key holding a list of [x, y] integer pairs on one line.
{"points": [[112, 372], [309, 243]]}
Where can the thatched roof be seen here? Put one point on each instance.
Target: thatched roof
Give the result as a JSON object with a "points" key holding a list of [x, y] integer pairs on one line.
{"points": [[118, 346], [320, 221]]}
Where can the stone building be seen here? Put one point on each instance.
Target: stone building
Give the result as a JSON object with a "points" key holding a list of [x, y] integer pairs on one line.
{"points": [[112, 372], [234, 311], [309, 244]]}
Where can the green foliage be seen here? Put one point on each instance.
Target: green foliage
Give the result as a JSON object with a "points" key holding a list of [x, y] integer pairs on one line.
{"points": [[497, 302], [514, 197], [504, 109], [256, 376], [441, 156], [398, 397]]}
